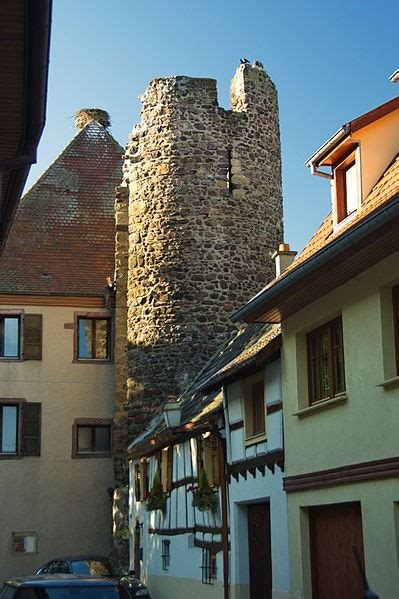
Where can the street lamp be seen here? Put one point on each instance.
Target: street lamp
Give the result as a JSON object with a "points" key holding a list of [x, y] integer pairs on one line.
{"points": [[172, 414]]}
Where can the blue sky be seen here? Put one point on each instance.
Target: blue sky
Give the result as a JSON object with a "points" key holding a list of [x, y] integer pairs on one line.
{"points": [[330, 62]]}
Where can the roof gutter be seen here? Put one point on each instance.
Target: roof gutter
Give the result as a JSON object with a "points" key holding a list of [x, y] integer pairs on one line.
{"points": [[314, 160], [320, 259]]}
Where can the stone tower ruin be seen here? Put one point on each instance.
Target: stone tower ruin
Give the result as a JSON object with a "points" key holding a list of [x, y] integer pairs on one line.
{"points": [[199, 214]]}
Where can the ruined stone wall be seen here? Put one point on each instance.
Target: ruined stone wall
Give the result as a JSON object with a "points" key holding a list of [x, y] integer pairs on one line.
{"points": [[120, 436], [205, 214]]}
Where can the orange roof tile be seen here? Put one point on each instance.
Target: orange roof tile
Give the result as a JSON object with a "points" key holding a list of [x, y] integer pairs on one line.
{"points": [[385, 189]]}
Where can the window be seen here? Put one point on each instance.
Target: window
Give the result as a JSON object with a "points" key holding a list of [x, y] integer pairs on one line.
{"points": [[17, 346], [208, 457], [9, 336], [209, 566], [347, 187], [19, 428], [91, 438], [165, 554], [254, 407], [326, 372], [395, 297], [24, 542], [93, 338]]}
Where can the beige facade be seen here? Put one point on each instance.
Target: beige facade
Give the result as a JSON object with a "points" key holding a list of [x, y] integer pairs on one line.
{"points": [[358, 426], [60, 501]]}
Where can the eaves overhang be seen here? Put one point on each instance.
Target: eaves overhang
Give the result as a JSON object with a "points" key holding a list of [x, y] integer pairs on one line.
{"points": [[32, 70], [245, 368], [371, 240], [320, 157], [151, 444]]}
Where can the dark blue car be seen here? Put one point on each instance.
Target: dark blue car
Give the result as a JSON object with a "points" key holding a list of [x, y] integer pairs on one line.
{"points": [[64, 586], [97, 565]]}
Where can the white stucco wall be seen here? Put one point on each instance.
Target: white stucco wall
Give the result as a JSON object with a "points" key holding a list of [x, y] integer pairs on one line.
{"points": [[183, 578], [258, 489]]}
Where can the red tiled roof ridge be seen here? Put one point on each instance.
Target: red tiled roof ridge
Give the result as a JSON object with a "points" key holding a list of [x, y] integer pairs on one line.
{"points": [[63, 237], [77, 134]]}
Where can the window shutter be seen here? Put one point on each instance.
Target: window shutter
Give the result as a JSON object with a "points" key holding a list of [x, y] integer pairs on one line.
{"points": [[33, 337], [31, 424], [143, 480], [169, 468], [215, 460]]}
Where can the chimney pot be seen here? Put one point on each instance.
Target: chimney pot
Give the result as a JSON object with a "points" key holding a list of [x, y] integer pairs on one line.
{"points": [[284, 257]]}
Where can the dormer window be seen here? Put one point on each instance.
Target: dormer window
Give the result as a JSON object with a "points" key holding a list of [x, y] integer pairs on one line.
{"points": [[346, 188]]}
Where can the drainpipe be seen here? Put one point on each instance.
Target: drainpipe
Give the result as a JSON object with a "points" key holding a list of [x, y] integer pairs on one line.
{"points": [[225, 526]]}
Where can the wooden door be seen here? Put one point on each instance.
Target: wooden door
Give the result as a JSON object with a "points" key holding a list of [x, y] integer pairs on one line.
{"points": [[334, 531], [260, 560], [137, 550]]}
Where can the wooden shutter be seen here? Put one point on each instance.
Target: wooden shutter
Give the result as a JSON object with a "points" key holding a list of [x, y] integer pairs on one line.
{"points": [[31, 424], [33, 337], [144, 480], [169, 468]]}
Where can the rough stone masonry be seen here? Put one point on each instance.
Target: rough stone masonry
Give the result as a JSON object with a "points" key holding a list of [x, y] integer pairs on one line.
{"points": [[202, 199]]}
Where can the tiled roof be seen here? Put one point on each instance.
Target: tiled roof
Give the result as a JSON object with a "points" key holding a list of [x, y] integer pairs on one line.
{"points": [[241, 351], [384, 190], [62, 239]]}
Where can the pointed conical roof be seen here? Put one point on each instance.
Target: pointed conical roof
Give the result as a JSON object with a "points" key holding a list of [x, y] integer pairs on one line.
{"points": [[62, 239]]}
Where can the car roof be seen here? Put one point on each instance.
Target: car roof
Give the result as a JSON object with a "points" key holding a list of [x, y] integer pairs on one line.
{"points": [[54, 580], [72, 558]]}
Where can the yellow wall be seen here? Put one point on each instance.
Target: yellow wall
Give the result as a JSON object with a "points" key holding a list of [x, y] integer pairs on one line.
{"points": [[63, 500], [363, 427], [379, 143]]}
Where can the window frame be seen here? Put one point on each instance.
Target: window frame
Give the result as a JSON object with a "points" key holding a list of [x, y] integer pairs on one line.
{"points": [[24, 533], [208, 457], [20, 404], [17, 314], [332, 379], [165, 554], [90, 423], [208, 566], [340, 169], [93, 316]]}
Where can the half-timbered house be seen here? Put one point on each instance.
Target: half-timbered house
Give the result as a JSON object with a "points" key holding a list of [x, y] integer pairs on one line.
{"points": [[233, 541]]}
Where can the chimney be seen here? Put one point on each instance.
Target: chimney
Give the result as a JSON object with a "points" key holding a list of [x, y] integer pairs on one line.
{"points": [[86, 115], [283, 257]]}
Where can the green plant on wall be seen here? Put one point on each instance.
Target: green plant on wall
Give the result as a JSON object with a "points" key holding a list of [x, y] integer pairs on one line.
{"points": [[204, 496], [156, 498]]}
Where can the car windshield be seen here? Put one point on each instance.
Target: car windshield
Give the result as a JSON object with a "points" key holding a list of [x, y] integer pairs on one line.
{"points": [[72, 592], [96, 567]]}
